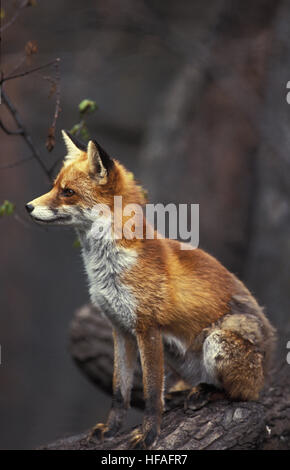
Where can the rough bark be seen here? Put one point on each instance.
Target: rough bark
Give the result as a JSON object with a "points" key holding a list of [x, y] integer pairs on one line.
{"points": [[217, 425]]}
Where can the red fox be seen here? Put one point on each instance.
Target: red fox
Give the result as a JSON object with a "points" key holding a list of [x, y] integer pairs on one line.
{"points": [[172, 305]]}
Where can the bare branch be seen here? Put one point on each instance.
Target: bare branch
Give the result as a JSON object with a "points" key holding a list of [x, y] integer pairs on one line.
{"points": [[8, 132], [17, 163], [16, 67], [50, 142], [14, 113], [28, 72], [31, 48], [20, 7], [21, 129], [57, 102]]}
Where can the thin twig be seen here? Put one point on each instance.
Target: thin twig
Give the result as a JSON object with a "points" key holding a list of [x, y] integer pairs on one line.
{"points": [[7, 131], [49, 79], [15, 16], [17, 163], [21, 129], [20, 63], [57, 101], [50, 141], [30, 49], [14, 113], [28, 72]]}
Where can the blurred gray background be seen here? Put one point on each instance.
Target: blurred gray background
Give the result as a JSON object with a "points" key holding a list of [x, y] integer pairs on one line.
{"points": [[192, 99]]}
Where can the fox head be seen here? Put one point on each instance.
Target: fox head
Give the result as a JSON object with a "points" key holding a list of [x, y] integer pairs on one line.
{"points": [[88, 177]]}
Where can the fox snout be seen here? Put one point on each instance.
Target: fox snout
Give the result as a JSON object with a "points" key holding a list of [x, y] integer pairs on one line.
{"points": [[42, 211], [29, 207]]}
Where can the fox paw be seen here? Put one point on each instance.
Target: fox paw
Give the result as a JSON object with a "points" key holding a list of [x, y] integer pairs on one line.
{"points": [[100, 431], [142, 441], [201, 395]]}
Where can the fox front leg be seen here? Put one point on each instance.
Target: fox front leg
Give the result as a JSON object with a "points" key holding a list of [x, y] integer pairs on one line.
{"points": [[151, 354], [125, 349]]}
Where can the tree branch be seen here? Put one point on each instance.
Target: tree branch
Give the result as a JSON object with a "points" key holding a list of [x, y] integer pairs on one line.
{"points": [[22, 131], [16, 163], [8, 132], [219, 425], [30, 71], [20, 7]]}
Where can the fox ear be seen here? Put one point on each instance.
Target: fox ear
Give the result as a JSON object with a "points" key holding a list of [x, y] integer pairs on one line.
{"points": [[73, 145], [100, 163]]}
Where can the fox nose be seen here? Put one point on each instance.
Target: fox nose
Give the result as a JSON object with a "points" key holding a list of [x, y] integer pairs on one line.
{"points": [[29, 208]]}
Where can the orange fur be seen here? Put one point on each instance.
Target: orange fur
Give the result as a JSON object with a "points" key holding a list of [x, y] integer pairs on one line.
{"points": [[186, 294]]}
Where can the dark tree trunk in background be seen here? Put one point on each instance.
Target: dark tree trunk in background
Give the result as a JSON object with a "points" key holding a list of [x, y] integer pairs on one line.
{"points": [[201, 147], [268, 267]]}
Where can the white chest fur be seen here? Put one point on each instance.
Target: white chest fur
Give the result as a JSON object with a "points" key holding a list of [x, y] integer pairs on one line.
{"points": [[105, 262]]}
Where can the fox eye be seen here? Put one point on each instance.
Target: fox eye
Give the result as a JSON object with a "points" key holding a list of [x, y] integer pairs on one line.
{"points": [[67, 192]]}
